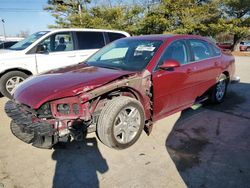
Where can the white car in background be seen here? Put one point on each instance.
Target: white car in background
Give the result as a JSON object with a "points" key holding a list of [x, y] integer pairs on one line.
{"points": [[46, 50]]}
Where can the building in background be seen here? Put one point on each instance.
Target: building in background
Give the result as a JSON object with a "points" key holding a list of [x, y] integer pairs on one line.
{"points": [[11, 38]]}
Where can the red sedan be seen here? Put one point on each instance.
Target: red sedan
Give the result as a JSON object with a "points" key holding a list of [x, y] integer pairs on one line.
{"points": [[119, 91]]}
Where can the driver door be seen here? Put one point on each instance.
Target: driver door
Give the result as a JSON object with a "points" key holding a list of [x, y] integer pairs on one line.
{"points": [[173, 88]]}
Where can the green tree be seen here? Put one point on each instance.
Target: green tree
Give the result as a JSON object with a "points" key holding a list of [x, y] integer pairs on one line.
{"points": [[203, 17], [180, 16], [236, 19], [76, 13], [64, 11]]}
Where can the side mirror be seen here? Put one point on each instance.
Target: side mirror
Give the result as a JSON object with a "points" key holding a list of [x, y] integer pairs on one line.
{"points": [[170, 64], [41, 48]]}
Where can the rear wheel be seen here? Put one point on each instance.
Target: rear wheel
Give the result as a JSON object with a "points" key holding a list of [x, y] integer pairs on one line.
{"points": [[218, 92], [121, 122], [10, 80]]}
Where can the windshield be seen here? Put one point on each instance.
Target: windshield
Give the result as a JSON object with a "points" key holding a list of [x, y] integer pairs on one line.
{"points": [[28, 41], [125, 54]]}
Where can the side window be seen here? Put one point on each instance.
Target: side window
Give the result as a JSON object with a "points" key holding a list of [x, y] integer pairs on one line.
{"points": [[115, 36], [59, 42], [216, 50], [200, 49], [90, 40], [177, 51]]}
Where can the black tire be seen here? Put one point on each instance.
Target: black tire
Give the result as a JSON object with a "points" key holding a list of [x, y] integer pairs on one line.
{"points": [[6, 77], [109, 116], [219, 91]]}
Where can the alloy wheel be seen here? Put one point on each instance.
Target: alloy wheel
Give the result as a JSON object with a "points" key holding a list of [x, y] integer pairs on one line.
{"points": [[13, 82], [126, 124]]}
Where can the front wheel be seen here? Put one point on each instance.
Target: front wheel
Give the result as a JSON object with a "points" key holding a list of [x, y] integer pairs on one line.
{"points": [[121, 122], [218, 92], [10, 80]]}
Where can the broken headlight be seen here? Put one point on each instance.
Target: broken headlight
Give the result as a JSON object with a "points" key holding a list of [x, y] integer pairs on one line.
{"points": [[63, 108], [44, 111], [76, 109]]}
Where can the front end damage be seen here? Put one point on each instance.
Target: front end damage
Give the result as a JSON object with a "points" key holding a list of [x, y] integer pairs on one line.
{"points": [[28, 128], [69, 118], [57, 121]]}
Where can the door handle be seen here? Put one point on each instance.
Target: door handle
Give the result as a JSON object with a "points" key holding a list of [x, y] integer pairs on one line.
{"points": [[189, 70], [159, 75], [216, 64], [71, 55]]}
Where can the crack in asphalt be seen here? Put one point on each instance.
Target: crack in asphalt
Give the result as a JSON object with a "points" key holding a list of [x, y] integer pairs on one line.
{"points": [[231, 113]]}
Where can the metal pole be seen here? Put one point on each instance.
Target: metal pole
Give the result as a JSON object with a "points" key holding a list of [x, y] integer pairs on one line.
{"points": [[4, 35]]}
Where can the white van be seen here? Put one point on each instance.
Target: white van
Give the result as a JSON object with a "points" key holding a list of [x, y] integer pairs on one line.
{"points": [[47, 50]]}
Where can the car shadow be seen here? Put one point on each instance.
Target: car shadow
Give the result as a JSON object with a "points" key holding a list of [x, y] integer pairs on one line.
{"points": [[211, 146], [78, 164]]}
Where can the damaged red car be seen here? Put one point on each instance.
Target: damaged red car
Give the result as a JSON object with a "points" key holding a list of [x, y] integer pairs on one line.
{"points": [[122, 89]]}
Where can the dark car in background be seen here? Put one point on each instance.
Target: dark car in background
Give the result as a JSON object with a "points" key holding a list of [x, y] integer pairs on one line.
{"points": [[225, 46], [245, 46], [7, 44]]}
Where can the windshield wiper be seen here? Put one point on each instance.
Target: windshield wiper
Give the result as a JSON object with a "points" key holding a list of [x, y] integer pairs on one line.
{"points": [[108, 67]]}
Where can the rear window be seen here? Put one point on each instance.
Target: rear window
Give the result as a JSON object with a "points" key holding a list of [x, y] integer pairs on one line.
{"points": [[216, 50], [200, 50], [115, 36], [90, 40]]}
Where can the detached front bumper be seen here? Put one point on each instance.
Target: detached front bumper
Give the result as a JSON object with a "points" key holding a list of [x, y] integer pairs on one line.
{"points": [[28, 128]]}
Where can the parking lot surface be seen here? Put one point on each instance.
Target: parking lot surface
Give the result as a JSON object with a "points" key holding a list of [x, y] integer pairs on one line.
{"points": [[207, 147]]}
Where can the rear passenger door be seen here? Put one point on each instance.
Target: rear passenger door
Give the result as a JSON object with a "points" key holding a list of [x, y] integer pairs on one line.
{"points": [[87, 43], [205, 63]]}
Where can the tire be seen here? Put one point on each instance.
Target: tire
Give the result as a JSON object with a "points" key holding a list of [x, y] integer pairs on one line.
{"points": [[11, 79], [219, 91], [115, 128]]}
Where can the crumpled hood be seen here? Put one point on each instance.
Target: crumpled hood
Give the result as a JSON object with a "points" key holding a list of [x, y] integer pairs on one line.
{"points": [[65, 82]]}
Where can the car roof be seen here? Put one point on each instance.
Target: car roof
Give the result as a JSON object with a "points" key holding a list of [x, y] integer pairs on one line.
{"points": [[88, 29], [153, 37], [166, 36]]}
